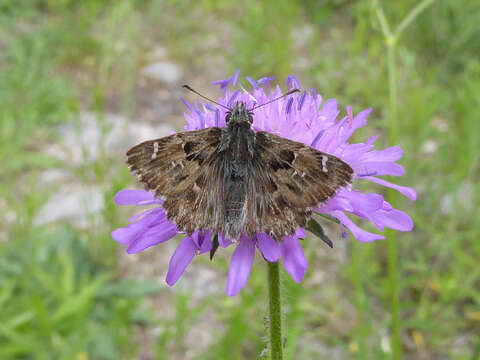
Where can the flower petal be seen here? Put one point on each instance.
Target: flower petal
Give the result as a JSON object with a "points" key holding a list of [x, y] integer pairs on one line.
{"points": [[268, 247], [204, 242], [240, 266], [235, 77], [154, 236], [407, 191], [394, 219], [293, 258], [292, 82], [339, 202], [133, 197], [122, 235], [223, 241], [252, 82], [182, 257], [128, 234], [359, 233]]}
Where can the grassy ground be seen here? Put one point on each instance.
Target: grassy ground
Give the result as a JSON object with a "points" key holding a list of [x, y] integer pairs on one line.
{"points": [[71, 293]]}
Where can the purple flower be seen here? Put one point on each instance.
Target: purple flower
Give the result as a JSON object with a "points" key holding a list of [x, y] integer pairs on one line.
{"points": [[305, 118]]}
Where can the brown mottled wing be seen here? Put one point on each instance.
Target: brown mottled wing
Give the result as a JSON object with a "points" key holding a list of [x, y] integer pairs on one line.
{"points": [[177, 168], [288, 179]]}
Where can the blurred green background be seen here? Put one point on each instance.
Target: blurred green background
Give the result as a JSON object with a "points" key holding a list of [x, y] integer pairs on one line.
{"points": [[82, 81]]}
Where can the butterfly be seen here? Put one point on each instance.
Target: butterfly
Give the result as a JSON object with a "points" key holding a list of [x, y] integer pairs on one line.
{"points": [[237, 181]]}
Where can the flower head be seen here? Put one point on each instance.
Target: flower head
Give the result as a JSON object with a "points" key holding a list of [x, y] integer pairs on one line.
{"points": [[304, 118]]}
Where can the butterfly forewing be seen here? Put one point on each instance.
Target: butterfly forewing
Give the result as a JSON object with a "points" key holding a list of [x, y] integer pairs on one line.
{"points": [[171, 164]]}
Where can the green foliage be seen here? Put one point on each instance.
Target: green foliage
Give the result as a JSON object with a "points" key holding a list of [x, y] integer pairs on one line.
{"points": [[62, 293], [56, 303]]}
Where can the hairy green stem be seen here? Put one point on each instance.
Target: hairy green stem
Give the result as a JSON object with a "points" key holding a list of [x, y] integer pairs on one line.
{"points": [[275, 310]]}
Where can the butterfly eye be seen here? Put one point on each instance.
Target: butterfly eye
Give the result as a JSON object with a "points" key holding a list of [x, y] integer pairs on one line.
{"points": [[228, 117]]}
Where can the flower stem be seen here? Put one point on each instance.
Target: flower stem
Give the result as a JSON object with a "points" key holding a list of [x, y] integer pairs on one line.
{"points": [[391, 241], [275, 310]]}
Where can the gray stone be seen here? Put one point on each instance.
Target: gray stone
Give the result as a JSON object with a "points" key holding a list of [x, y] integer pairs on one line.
{"points": [[84, 137], [74, 203], [164, 71]]}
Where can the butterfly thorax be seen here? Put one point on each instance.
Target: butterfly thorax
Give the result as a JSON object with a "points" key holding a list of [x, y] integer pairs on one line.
{"points": [[238, 137], [239, 113], [237, 146]]}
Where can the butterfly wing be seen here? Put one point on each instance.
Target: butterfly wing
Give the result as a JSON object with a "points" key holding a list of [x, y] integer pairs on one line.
{"points": [[182, 169], [287, 180]]}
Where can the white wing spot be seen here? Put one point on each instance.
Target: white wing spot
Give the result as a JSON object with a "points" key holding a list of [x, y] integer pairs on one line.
{"points": [[324, 163], [155, 150]]}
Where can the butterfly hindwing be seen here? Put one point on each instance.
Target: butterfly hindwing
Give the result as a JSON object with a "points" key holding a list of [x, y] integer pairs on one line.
{"points": [[288, 180]]}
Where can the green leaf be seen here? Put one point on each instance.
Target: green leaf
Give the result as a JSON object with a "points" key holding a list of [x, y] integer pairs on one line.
{"points": [[315, 228], [215, 247], [78, 302]]}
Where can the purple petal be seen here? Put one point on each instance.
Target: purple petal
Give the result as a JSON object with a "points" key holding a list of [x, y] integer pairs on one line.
{"points": [[233, 97], [210, 107], [182, 257], [301, 100], [394, 219], [407, 191], [264, 81], [143, 214], [240, 266], [364, 203], [235, 77], [391, 154], [223, 82], [133, 231], [315, 95], [152, 237], [289, 105], [223, 241], [300, 233], [293, 258], [317, 137], [187, 104], [202, 241], [339, 202], [359, 233], [363, 169], [252, 82], [360, 119], [329, 110], [291, 79], [268, 246], [133, 197], [217, 118], [122, 235]]}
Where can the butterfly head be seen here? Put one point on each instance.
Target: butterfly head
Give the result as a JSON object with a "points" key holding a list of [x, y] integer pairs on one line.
{"points": [[239, 113]]}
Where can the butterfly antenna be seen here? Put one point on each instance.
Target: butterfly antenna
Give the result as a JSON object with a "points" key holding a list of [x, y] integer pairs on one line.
{"points": [[278, 98], [206, 98]]}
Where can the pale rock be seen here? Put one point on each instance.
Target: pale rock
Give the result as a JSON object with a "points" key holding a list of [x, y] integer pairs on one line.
{"points": [[74, 203], [164, 71]]}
